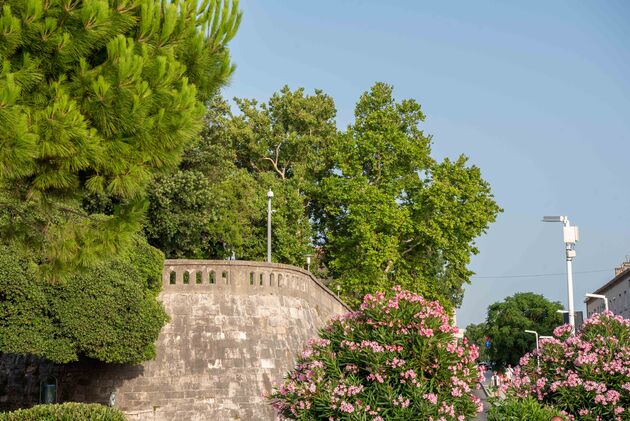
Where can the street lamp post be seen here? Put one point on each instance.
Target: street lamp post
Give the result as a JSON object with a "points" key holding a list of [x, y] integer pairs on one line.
{"points": [[308, 262], [603, 297], [571, 236], [537, 346], [269, 197]]}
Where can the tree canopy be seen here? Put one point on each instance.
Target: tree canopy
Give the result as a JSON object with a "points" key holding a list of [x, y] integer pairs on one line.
{"points": [[507, 321], [369, 201], [476, 334], [97, 97], [214, 205], [392, 214]]}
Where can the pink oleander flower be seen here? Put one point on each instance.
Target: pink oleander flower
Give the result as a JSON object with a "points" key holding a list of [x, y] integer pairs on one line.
{"points": [[346, 407]]}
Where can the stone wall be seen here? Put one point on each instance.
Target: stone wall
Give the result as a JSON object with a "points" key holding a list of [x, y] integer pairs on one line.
{"points": [[235, 328]]}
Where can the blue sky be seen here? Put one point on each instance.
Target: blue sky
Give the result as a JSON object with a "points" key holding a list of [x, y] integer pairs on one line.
{"points": [[536, 93]]}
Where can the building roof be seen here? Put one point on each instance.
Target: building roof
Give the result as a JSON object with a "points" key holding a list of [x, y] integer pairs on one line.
{"points": [[621, 276]]}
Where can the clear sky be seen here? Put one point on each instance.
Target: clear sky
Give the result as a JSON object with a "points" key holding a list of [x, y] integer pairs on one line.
{"points": [[536, 93]]}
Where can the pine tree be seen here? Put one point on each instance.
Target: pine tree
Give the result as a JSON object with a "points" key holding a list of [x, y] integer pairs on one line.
{"points": [[97, 96]]}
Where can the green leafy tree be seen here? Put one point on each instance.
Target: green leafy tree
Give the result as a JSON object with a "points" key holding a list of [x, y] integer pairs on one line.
{"points": [[215, 205], [388, 212], [108, 312], [190, 217], [476, 334], [95, 98], [372, 200], [507, 321]]}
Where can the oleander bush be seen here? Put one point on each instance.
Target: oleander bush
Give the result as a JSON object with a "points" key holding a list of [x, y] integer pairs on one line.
{"points": [[514, 408], [70, 411], [395, 358], [587, 376]]}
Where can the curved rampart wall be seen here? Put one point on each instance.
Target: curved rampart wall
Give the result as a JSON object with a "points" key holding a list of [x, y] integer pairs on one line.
{"points": [[235, 329]]}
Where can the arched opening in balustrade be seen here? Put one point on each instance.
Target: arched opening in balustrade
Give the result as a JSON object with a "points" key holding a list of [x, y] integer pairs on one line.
{"points": [[225, 276], [280, 280], [251, 278], [198, 277], [212, 277], [186, 278], [271, 279], [172, 277], [261, 281]]}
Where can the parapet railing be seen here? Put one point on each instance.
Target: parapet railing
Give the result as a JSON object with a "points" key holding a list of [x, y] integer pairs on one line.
{"points": [[186, 274]]}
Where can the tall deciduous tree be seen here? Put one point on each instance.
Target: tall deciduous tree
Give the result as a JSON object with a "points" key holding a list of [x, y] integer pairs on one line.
{"points": [[379, 208], [96, 96], [507, 320], [388, 213], [215, 205]]}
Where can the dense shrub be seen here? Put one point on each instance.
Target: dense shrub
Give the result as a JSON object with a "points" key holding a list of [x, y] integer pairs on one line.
{"points": [[396, 358], [109, 312], [517, 409], [70, 411], [586, 375]]}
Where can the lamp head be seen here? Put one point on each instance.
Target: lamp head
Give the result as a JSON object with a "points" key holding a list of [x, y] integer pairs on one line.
{"points": [[269, 194], [554, 219]]}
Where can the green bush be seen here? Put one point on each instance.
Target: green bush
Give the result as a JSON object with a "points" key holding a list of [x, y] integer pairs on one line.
{"points": [[109, 312], [69, 411], [517, 409]]}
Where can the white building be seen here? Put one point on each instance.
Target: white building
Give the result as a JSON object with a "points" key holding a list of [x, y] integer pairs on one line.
{"points": [[617, 290]]}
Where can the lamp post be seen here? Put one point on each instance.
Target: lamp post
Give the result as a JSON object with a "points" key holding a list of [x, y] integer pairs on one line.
{"points": [[308, 262], [570, 234], [269, 197], [603, 297], [537, 346]]}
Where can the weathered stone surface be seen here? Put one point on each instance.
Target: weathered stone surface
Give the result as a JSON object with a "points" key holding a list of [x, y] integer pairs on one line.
{"points": [[224, 346]]}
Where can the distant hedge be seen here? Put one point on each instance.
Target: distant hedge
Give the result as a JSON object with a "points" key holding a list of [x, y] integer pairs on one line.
{"points": [[109, 312], [513, 408], [70, 411]]}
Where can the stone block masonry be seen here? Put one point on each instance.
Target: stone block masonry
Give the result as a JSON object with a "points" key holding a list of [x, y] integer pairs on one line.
{"points": [[235, 329]]}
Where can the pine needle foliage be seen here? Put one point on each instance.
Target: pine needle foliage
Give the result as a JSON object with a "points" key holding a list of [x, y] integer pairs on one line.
{"points": [[97, 96]]}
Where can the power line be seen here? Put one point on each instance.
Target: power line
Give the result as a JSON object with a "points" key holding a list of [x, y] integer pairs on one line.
{"points": [[537, 275]]}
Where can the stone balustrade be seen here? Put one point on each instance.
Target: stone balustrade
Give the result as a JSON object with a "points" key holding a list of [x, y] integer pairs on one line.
{"points": [[246, 277]]}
